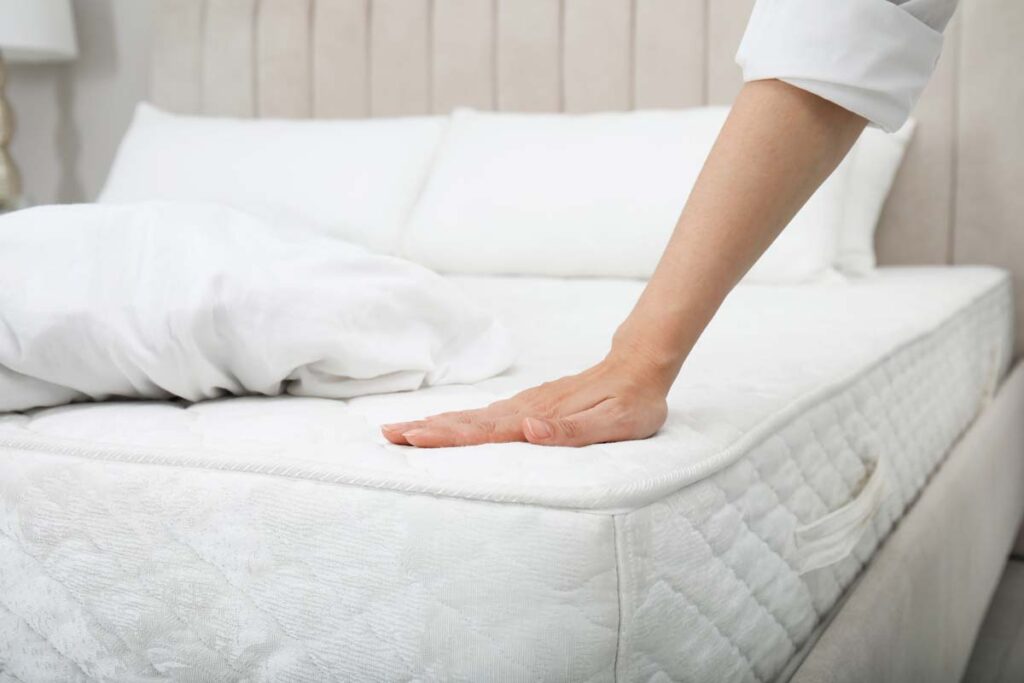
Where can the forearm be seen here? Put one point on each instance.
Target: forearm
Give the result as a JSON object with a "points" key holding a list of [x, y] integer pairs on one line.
{"points": [[777, 146]]}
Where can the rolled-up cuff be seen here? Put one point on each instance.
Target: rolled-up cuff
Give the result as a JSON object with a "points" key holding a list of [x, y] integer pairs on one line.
{"points": [[868, 56]]}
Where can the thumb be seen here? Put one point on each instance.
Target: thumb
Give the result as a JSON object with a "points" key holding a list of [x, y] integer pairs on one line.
{"points": [[582, 429]]}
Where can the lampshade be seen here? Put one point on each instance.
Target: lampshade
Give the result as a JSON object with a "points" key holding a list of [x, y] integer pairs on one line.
{"points": [[37, 31]]}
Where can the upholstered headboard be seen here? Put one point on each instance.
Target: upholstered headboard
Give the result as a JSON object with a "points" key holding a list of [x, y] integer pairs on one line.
{"points": [[959, 197]]}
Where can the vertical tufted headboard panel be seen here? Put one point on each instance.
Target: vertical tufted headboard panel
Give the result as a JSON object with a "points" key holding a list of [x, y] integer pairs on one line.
{"points": [[958, 198]]}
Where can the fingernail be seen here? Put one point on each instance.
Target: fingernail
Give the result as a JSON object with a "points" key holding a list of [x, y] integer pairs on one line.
{"points": [[539, 428], [413, 433], [396, 426]]}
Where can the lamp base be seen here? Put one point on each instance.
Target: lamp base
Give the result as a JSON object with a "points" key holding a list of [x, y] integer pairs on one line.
{"points": [[10, 180]]}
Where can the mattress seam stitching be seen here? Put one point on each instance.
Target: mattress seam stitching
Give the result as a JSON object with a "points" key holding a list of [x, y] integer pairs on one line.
{"points": [[618, 593], [802, 403], [998, 291], [781, 418], [149, 455]]}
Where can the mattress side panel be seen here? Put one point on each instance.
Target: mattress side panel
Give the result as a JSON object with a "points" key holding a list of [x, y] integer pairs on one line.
{"points": [[710, 589], [120, 571]]}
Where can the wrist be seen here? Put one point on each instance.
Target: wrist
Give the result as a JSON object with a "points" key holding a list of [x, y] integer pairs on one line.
{"points": [[637, 357]]}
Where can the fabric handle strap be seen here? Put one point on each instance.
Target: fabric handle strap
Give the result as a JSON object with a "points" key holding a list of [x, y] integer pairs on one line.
{"points": [[830, 539]]}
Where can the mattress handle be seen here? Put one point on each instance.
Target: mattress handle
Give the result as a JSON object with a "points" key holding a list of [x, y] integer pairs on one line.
{"points": [[832, 538]]}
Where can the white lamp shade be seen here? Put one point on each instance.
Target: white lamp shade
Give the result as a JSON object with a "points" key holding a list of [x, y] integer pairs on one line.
{"points": [[37, 31]]}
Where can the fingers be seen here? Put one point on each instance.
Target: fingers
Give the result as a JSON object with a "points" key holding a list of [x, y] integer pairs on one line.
{"points": [[561, 413], [607, 421], [442, 433], [393, 432], [603, 423]]}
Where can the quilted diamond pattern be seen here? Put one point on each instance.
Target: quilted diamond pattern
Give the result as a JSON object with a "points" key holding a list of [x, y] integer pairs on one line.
{"points": [[120, 572]]}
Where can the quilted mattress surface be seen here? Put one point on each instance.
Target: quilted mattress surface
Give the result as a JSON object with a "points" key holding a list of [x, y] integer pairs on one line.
{"points": [[283, 539]]}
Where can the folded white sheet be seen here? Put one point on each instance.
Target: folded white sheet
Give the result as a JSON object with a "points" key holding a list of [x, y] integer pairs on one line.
{"points": [[195, 301]]}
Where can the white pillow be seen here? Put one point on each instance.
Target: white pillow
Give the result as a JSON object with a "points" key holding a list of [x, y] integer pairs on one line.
{"points": [[357, 179], [594, 195], [196, 301], [873, 163]]}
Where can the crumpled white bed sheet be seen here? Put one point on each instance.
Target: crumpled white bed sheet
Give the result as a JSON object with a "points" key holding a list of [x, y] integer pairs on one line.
{"points": [[284, 539], [168, 300]]}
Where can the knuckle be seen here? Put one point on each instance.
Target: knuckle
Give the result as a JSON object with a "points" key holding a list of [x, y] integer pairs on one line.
{"points": [[569, 428], [516, 406], [547, 410], [620, 412], [537, 406]]}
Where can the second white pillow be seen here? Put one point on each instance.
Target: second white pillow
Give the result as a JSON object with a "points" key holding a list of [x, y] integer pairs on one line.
{"points": [[599, 194], [585, 195]]}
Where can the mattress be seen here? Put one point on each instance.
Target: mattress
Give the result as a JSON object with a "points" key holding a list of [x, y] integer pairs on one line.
{"points": [[283, 539]]}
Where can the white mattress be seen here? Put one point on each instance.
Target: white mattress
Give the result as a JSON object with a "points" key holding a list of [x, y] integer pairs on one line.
{"points": [[284, 539]]}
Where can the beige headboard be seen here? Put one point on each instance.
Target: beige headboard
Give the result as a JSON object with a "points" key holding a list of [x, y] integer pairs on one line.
{"points": [[959, 197]]}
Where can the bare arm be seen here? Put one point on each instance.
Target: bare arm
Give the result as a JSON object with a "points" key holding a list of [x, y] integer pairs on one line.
{"points": [[777, 146]]}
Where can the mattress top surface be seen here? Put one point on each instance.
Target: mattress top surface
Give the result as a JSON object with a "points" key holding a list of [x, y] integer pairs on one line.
{"points": [[770, 353]]}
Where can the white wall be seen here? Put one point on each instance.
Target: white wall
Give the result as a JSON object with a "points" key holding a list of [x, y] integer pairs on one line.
{"points": [[70, 117]]}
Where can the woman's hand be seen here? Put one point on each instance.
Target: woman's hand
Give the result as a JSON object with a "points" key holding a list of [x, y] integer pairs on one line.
{"points": [[616, 400], [777, 146]]}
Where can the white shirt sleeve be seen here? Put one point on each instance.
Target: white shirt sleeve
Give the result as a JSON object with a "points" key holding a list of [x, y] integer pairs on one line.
{"points": [[872, 57]]}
